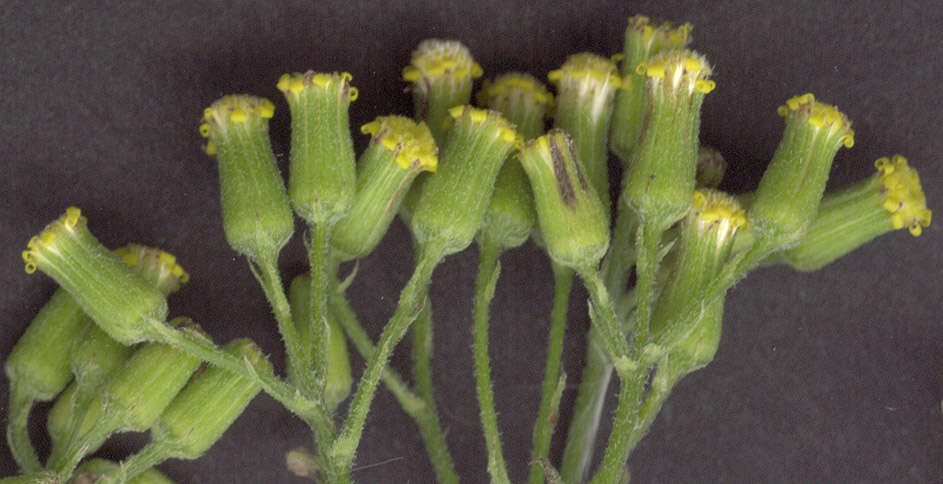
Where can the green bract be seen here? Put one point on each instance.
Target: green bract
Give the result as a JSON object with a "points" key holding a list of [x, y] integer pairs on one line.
{"points": [[322, 175], [256, 214], [118, 298], [453, 201], [788, 197], [571, 217]]}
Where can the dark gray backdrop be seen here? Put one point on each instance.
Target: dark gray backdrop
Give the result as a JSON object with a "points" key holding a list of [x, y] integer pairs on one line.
{"points": [[827, 377]]}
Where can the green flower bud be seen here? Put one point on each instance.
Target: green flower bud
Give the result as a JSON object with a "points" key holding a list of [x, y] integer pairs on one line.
{"points": [[643, 39], [442, 73], [45, 477], [322, 175], [705, 239], [38, 366], [711, 167], [452, 203], [114, 295], [256, 214], [572, 221], [524, 101], [92, 470], [521, 99], [209, 404], [586, 89], [399, 150], [849, 218], [788, 197], [339, 379], [660, 179], [141, 389], [697, 348]]}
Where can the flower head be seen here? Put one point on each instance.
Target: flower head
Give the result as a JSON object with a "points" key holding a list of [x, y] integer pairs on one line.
{"points": [[678, 71], [904, 198], [412, 143], [825, 118], [435, 60]]}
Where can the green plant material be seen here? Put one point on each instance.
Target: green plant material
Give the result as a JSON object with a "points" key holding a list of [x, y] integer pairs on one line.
{"points": [[711, 167], [705, 240], [442, 73], [452, 204], [489, 270], [322, 172], [660, 177], [643, 39], [586, 89], [571, 217], [209, 404], [521, 99], [338, 378], [38, 477], [256, 214], [119, 300], [851, 217], [91, 470], [788, 197], [399, 150]]}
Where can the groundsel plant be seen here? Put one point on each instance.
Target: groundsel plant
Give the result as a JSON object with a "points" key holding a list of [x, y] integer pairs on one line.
{"points": [[656, 260]]}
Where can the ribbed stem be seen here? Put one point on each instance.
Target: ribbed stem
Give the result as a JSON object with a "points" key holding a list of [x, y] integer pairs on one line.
{"points": [[266, 272], [410, 304], [318, 346], [546, 416], [617, 451], [488, 270], [414, 405], [587, 412]]}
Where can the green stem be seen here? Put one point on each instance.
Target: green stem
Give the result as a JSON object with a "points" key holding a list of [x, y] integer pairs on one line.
{"points": [[623, 423], [607, 324], [587, 412], [488, 271], [318, 343], [410, 304], [266, 272], [646, 243], [428, 420], [621, 249], [414, 405], [650, 408], [546, 416], [152, 454], [206, 350], [18, 432]]}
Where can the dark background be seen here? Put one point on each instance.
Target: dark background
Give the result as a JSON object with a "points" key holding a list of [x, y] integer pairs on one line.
{"points": [[834, 376]]}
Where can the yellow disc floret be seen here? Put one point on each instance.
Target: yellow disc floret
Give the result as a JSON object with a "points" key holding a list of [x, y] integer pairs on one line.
{"points": [[436, 59], [678, 71], [157, 264], [293, 84], [68, 225], [904, 198], [481, 116], [588, 71], [717, 211], [516, 85], [819, 115], [234, 109], [656, 38], [411, 142]]}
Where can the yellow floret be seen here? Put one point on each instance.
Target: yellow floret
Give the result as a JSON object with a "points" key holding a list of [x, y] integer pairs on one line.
{"points": [[820, 115], [718, 212], [411, 142], [516, 85], [655, 38], [678, 71], [506, 130], [238, 108], [293, 84], [904, 198], [436, 59], [587, 69], [68, 224]]}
